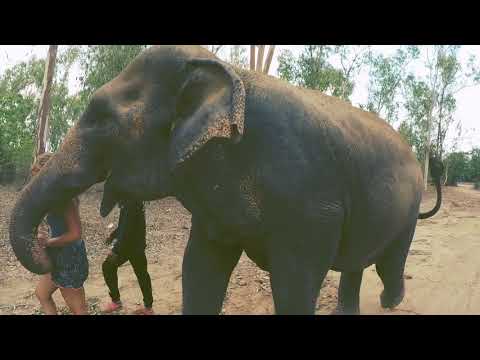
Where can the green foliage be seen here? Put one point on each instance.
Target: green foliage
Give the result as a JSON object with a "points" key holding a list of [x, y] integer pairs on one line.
{"points": [[474, 166], [314, 68], [393, 92], [20, 90], [238, 56], [101, 63], [463, 166], [387, 75], [458, 166], [18, 106], [433, 96], [64, 108], [418, 100]]}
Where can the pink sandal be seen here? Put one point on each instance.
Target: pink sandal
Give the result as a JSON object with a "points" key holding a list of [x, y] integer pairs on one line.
{"points": [[143, 311], [111, 307]]}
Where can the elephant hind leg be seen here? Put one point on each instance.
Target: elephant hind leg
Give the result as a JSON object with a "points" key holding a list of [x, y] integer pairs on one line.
{"points": [[349, 293], [391, 266]]}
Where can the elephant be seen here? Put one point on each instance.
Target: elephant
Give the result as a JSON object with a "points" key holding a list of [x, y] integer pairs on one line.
{"points": [[300, 181]]}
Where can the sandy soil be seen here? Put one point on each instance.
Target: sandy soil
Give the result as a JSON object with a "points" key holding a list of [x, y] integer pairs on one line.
{"points": [[442, 272]]}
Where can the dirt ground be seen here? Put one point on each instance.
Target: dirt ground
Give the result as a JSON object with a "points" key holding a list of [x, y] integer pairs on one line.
{"points": [[442, 271]]}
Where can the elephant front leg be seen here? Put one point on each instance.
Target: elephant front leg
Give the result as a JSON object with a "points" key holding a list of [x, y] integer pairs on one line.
{"points": [[207, 266], [300, 261]]}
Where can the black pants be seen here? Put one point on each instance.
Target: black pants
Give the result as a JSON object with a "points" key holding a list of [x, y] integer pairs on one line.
{"points": [[139, 263]]}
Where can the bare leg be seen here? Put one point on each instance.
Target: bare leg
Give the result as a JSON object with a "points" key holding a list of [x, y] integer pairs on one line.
{"points": [[44, 291], [75, 299]]}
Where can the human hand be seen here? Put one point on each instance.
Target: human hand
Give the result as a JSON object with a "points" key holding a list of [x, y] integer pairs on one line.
{"points": [[109, 239], [42, 239]]}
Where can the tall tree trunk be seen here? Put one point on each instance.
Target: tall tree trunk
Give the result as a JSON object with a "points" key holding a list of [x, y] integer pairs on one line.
{"points": [[427, 145], [42, 134], [252, 57], [261, 49], [429, 122], [440, 119], [446, 174], [268, 61]]}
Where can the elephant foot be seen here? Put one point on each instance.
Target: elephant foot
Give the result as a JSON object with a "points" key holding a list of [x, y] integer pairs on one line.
{"points": [[342, 310], [389, 301]]}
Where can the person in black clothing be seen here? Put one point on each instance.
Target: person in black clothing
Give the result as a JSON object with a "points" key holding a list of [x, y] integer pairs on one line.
{"points": [[129, 245]]}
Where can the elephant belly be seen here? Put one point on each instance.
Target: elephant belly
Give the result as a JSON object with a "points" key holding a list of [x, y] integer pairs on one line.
{"points": [[371, 228], [258, 255]]}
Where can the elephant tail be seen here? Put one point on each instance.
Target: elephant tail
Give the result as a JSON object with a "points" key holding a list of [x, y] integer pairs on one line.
{"points": [[436, 170]]}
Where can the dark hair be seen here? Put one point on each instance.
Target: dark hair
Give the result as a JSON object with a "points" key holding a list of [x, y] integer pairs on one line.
{"points": [[42, 159]]}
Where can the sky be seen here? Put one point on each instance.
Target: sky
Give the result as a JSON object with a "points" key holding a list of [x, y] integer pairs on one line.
{"points": [[468, 100]]}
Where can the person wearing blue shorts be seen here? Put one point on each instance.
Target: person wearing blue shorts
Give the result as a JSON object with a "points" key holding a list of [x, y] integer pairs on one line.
{"points": [[68, 254]]}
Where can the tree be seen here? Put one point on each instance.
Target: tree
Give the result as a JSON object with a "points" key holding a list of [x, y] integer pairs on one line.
{"points": [[417, 105], [445, 77], [458, 164], [474, 165], [451, 79], [313, 69], [214, 48], [352, 59], [238, 56], [101, 63], [44, 107], [19, 91], [387, 75], [269, 58]]}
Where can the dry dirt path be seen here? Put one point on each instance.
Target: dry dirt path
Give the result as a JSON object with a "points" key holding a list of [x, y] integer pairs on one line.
{"points": [[443, 270]]}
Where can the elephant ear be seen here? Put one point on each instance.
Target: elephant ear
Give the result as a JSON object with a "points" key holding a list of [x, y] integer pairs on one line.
{"points": [[210, 104]]}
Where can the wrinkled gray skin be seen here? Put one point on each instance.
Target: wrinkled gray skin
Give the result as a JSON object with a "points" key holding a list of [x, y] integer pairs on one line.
{"points": [[300, 181]]}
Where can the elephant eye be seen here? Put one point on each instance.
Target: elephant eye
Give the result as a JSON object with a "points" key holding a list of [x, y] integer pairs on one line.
{"points": [[99, 112], [103, 116]]}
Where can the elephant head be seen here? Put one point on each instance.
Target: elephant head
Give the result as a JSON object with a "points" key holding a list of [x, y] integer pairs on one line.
{"points": [[136, 130]]}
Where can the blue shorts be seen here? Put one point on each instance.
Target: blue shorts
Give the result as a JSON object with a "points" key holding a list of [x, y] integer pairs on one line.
{"points": [[70, 265]]}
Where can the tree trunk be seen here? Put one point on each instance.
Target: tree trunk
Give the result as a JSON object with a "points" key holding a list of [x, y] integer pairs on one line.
{"points": [[252, 57], [429, 122], [446, 174], [425, 173], [261, 49], [427, 146], [268, 61], [42, 134], [440, 119]]}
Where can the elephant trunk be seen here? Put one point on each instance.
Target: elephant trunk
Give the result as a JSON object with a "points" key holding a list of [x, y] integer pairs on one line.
{"points": [[63, 177]]}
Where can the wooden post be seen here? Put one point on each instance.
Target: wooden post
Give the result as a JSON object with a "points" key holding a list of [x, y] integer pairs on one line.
{"points": [[42, 134], [252, 57], [261, 49], [268, 61]]}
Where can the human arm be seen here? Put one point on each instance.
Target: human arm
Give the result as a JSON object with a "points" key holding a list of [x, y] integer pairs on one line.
{"points": [[74, 229]]}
